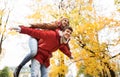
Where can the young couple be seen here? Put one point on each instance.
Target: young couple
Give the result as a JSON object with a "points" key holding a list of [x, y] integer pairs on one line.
{"points": [[44, 41]]}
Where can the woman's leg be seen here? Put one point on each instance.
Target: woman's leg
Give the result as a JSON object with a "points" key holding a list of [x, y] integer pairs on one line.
{"points": [[33, 52]]}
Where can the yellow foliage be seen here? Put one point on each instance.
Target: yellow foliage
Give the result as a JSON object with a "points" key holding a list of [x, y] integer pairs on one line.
{"points": [[87, 8], [91, 63], [35, 16], [90, 1], [81, 1], [58, 70], [1, 12], [13, 32], [80, 29], [0, 29], [105, 60], [76, 54], [38, 0], [59, 67], [114, 66], [79, 64], [54, 71], [90, 8], [74, 44], [86, 26]]}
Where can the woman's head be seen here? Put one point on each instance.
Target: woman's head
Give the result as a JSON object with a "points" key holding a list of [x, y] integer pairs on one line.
{"points": [[63, 22]]}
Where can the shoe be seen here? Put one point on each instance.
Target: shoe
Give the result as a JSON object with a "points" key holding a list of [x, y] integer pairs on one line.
{"points": [[30, 65], [17, 71]]}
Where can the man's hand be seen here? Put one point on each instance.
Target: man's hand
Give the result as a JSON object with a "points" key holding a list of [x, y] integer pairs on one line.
{"points": [[71, 57], [71, 61]]}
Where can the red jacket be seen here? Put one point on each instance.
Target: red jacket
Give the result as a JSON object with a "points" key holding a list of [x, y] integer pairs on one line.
{"points": [[48, 42]]}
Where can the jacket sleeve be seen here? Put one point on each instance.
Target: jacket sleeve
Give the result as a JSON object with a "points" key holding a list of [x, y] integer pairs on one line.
{"points": [[66, 50], [33, 32], [51, 26]]}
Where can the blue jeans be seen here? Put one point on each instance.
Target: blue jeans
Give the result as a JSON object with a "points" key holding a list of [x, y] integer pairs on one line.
{"points": [[38, 70], [33, 51]]}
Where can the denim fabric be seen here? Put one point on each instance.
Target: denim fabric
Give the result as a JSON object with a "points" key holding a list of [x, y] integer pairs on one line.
{"points": [[38, 70], [33, 51]]}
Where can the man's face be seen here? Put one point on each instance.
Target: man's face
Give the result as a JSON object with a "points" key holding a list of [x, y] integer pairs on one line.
{"points": [[67, 33], [65, 22]]}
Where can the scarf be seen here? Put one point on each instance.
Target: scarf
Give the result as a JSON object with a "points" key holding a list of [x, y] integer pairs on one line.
{"points": [[63, 40]]}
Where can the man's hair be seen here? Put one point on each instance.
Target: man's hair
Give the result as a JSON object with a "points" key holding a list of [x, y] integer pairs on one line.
{"points": [[67, 27]]}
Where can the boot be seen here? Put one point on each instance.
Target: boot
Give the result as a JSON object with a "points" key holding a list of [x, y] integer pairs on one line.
{"points": [[17, 71]]}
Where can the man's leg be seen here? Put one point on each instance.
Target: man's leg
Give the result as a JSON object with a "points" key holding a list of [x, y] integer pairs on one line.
{"points": [[33, 52], [44, 71], [35, 68]]}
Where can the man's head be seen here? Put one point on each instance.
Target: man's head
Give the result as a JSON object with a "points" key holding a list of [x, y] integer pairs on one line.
{"points": [[67, 31]]}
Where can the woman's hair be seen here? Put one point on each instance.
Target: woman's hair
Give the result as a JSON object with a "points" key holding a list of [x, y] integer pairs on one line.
{"points": [[65, 19]]}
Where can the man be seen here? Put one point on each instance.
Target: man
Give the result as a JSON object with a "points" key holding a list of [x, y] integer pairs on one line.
{"points": [[48, 42]]}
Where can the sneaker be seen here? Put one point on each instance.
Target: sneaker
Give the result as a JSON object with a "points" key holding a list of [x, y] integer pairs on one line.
{"points": [[17, 71]]}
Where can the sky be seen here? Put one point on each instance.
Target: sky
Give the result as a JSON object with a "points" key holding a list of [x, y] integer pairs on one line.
{"points": [[113, 35], [16, 46], [104, 7]]}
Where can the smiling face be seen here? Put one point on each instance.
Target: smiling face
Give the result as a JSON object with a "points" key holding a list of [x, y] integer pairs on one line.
{"points": [[65, 22], [67, 33]]}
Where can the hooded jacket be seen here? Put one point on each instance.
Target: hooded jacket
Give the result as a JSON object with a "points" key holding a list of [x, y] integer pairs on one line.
{"points": [[48, 42]]}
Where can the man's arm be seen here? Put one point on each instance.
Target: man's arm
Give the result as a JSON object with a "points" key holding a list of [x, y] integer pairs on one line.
{"points": [[66, 50], [51, 26]]}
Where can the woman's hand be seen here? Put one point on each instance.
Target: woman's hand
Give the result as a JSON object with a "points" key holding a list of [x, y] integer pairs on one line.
{"points": [[17, 29]]}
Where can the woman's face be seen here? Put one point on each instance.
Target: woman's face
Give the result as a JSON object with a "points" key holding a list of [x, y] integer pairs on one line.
{"points": [[65, 22], [67, 33]]}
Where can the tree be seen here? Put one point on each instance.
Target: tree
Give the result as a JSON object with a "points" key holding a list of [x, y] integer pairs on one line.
{"points": [[3, 23], [85, 44], [5, 72], [117, 3], [93, 54], [58, 67]]}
